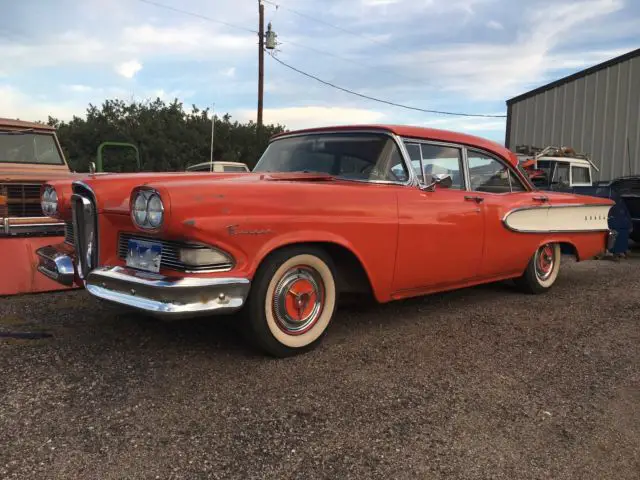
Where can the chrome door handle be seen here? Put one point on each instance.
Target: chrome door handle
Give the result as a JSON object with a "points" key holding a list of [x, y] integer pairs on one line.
{"points": [[470, 198], [542, 199]]}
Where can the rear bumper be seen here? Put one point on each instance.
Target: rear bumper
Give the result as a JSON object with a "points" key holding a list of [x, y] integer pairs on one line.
{"points": [[168, 297]]}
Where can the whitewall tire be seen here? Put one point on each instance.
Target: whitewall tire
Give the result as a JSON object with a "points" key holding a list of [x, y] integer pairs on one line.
{"points": [[542, 270], [292, 301]]}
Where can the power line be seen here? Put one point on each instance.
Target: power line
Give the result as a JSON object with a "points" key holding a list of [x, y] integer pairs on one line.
{"points": [[336, 27], [352, 61], [197, 15], [441, 112]]}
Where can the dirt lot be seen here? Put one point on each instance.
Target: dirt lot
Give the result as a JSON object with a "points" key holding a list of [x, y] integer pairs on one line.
{"points": [[479, 383]]}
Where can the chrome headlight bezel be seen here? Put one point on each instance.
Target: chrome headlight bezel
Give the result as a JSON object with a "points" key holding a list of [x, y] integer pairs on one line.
{"points": [[147, 209], [49, 201]]}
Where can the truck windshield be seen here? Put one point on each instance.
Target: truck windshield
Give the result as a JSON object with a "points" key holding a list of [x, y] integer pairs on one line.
{"points": [[29, 147], [354, 156]]}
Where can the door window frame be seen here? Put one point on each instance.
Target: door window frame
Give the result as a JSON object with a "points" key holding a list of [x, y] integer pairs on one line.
{"points": [[579, 184], [510, 169], [466, 177]]}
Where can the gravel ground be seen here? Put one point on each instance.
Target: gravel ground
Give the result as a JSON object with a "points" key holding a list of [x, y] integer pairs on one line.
{"points": [[478, 383]]}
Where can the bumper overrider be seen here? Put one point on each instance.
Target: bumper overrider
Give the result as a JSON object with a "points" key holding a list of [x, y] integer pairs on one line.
{"points": [[159, 295]]}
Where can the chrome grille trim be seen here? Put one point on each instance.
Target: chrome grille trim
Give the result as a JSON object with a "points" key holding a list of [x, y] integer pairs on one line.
{"points": [[85, 228], [170, 255]]}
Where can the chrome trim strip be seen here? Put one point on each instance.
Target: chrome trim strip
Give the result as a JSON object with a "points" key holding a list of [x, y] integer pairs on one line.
{"points": [[548, 207], [168, 297]]}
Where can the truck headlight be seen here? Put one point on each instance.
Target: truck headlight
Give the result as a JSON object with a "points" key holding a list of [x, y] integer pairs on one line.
{"points": [[147, 210], [49, 201], [204, 257]]}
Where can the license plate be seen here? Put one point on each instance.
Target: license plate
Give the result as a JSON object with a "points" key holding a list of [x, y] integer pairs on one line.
{"points": [[144, 255]]}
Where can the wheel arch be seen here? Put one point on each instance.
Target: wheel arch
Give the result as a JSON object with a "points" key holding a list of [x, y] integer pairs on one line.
{"points": [[351, 271]]}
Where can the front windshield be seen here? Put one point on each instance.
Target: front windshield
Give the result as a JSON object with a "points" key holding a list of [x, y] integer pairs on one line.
{"points": [[353, 156], [22, 147]]}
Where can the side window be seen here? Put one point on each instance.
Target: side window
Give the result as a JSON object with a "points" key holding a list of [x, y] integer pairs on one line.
{"points": [[396, 170], [438, 159], [580, 175], [561, 174], [415, 156], [488, 174], [516, 184]]}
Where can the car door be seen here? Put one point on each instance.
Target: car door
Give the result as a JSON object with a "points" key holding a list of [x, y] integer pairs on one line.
{"points": [[499, 190], [441, 234]]}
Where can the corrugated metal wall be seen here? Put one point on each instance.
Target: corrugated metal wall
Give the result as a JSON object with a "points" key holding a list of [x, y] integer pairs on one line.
{"points": [[598, 114]]}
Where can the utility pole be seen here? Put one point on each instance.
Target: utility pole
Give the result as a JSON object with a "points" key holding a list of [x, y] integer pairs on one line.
{"points": [[260, 64]]}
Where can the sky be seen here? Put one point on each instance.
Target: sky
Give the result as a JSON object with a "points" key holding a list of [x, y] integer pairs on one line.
{"points": [[470, 56]]}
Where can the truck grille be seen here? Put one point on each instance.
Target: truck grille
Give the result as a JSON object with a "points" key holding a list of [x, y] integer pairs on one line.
{"points": [[23, 200], [69, 235], [170, 253]]}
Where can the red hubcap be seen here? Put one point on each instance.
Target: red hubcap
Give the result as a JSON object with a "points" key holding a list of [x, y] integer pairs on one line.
{"points": [[545, 260], [298, 299]]}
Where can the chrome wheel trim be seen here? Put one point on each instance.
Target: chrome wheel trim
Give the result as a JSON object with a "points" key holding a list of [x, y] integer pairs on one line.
{"points": [[545, 261], [298, 300]]}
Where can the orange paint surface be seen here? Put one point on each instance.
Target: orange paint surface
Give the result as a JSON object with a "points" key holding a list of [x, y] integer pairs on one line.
{"points": [[18, 263], [409, 242]]}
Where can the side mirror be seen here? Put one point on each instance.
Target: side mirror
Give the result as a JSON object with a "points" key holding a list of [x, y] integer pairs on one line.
{"points": [[443, 179]]}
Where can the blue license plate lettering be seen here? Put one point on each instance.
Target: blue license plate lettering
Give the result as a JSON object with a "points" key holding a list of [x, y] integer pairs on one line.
{"points": [[144, 255]]}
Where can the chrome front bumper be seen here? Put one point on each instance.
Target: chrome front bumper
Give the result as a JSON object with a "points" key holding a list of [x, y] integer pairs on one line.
{"points": [[168, 297]]}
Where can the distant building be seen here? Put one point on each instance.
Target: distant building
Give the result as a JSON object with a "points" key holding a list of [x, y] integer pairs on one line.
{"points": [[595, 111]]}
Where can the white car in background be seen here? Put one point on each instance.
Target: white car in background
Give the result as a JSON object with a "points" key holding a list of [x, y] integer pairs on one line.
{"points": [[218, 167]]}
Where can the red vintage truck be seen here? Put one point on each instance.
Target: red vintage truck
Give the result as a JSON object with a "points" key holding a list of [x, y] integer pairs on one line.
{"points": [[30, 154]]}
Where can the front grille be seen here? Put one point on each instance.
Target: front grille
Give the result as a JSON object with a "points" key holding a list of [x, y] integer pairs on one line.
{"points": [[23, 200], [69, 235], [170, 253]]}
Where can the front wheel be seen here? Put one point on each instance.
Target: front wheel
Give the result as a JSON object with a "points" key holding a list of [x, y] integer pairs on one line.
{"points": [[542, 270], [292, 301]]}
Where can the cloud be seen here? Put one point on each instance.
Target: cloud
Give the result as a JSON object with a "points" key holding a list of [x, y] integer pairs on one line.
{"points": [[15, 103], [129, 69], [495, 25], [77, 88], [230, 72], [310, 116], [492, 71]]}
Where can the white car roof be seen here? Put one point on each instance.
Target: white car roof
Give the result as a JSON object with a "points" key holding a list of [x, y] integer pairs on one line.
{"points": [[575, 161]]}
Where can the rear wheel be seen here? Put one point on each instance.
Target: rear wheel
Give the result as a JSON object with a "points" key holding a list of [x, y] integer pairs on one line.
{"points": [[292, 301], [542, 270]]}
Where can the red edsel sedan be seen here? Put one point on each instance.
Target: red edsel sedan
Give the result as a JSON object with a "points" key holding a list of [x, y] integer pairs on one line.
{"points": [[391, 210]]}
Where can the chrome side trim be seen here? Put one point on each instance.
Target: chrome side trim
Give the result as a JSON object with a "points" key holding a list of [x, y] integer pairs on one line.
{"points": [[168, 297], [56, 265], [547, 207]]}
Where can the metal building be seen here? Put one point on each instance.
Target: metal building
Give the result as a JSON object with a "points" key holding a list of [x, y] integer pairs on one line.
{"points": [[595, 111]]}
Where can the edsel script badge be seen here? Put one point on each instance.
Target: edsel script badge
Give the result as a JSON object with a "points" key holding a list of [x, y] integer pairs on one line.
{"points": [[236, 230]]}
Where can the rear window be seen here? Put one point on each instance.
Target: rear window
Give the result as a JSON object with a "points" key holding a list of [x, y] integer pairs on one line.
{"points": [[580, 175]]}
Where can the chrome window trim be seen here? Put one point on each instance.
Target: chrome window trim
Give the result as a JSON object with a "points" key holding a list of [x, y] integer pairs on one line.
{"points": [[411, 181], [461, 160], [497, 159]]}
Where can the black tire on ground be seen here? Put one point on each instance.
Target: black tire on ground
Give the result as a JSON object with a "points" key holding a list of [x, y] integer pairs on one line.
{"points": [[292, 300], [541, 272]]}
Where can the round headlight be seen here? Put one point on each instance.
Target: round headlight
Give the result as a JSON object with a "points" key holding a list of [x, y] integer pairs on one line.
{"points": [[140, 209], [49, 202], [155, 211]]}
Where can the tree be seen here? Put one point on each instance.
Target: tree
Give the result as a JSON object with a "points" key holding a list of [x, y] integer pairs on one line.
{"points": [[168, 137]]}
